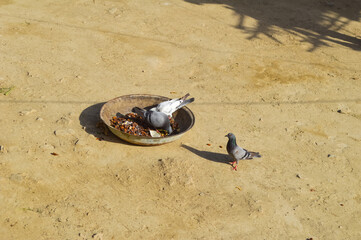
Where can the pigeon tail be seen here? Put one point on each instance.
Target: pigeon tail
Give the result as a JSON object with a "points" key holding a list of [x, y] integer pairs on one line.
{"points": [[185, 102], [251, 155], [184, 97], [119, 115], [139, 111]]}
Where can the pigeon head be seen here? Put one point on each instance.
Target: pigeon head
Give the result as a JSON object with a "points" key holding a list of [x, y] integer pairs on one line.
{"points": [[230, 136]]}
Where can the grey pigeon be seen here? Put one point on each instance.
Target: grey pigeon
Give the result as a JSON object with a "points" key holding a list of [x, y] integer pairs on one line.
{"points": [[154, 119], [170, 106], [238, 153]]}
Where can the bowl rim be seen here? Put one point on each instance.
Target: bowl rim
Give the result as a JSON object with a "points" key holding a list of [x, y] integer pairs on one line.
{"points": [[146, 137]]}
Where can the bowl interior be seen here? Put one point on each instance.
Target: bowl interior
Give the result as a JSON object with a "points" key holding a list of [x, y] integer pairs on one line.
{"points": [[124, 104]]}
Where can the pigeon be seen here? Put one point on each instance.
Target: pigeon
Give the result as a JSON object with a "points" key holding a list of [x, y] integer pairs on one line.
{"points": [[170, 106], [155, 119], [238, 153]]}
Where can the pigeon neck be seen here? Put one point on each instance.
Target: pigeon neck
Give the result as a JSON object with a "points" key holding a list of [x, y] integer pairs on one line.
{"points": [[233, 141]]}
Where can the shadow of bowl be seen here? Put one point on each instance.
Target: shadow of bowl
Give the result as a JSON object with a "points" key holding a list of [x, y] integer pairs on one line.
{"points": [[124, 104], [89, 119]]}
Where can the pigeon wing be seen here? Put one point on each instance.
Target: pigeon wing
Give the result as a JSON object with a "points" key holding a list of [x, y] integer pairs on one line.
{"points": [[159, 120], [170, 106], [238, 153]]}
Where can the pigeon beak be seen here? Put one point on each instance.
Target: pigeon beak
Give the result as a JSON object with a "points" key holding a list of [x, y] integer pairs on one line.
{"points": [[226, 135]]}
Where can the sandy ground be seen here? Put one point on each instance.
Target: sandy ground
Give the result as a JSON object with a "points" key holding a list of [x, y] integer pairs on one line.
{"points": [[283, 76]]}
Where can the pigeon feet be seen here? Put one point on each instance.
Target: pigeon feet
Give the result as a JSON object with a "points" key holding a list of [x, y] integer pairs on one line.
{"points": [[234, 165]]}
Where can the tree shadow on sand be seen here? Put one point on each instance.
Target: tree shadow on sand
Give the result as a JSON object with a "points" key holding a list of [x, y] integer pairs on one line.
{"points": [[90, 120], [316, 22], [211, 156]]}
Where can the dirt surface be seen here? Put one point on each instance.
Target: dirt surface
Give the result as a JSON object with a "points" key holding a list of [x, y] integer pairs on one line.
{"points": [[283, 76]]}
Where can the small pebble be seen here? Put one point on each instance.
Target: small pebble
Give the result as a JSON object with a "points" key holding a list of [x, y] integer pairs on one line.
{"points": [[79, 142], [113, 10], [26, 112], [64, 132], [2, 149]]}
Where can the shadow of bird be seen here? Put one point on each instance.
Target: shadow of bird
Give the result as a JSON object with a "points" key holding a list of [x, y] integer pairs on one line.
{"points": [[211, 156]]}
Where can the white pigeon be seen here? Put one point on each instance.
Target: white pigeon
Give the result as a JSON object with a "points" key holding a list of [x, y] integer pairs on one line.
{"points": [[170, 106]]}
